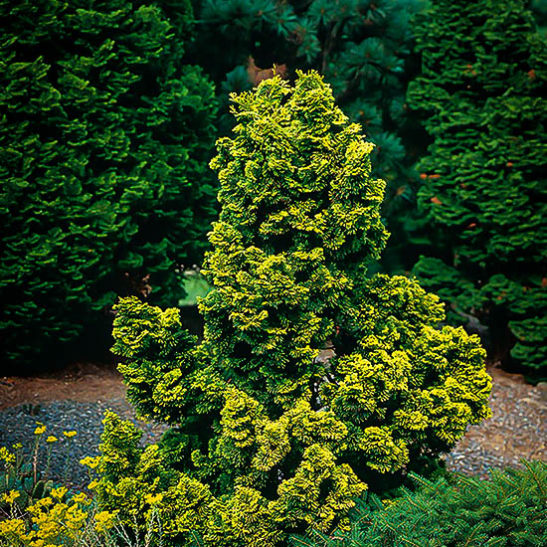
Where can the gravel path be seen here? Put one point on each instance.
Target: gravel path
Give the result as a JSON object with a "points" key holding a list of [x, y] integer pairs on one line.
{"points": [[517, 429], [17, 424]]}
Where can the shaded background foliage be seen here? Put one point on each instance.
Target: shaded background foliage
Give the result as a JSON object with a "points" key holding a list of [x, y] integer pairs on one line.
{"points": [[108, 132], [105, 138], [482, 199]]}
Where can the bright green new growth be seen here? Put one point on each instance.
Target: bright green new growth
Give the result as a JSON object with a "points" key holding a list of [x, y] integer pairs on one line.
{"points": [[311, 380], [105, 138], [483, 88], [508, 510]]}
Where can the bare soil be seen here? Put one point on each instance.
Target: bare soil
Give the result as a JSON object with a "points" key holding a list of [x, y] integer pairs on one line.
{"points": [[83, 382]]}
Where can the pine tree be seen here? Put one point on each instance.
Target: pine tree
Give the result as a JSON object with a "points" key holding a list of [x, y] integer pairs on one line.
{"points": [[482, 90], [105, 140], [508, 510], [312, 380]]}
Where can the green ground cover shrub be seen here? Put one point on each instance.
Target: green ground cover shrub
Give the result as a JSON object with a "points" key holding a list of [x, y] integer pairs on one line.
{"points": [[508, 509], [312, 380], [482, 198], [362, 47], [105, 138]]}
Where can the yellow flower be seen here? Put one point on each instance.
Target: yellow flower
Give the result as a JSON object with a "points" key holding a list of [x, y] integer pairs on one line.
{"points": [[105, 520], [10, 496], [153, 499], [79, 498], [90, 462], [40, 505], [17, 446], [51, 439], [59, 493], [40, 430], [69, 434], [92, 484], [12, 527], [6, 455]]}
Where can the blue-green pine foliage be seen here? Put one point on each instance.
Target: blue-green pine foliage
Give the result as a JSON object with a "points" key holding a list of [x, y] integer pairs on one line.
{"points": [[507, 510]]}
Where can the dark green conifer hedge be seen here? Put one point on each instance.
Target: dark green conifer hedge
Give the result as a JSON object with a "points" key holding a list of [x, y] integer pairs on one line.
{"points": [[483, 197], [104, 141]]}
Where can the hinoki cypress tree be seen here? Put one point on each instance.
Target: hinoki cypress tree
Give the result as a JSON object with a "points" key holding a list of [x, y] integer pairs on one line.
{"points": [[312, 380], [105, 139], [482, 89]]}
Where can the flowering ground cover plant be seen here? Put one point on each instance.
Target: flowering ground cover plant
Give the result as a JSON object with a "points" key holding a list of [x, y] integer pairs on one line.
{"points": [[36, 513], [24, 477], [312, 381], [508, 509]]}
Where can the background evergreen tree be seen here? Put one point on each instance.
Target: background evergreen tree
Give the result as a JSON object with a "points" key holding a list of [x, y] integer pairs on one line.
{"points": [[312, 380], [104, 141], [539, 9], [362, 47], [509, 509], [483, 195]]}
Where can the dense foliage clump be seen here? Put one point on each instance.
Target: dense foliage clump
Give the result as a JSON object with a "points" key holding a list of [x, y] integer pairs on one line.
{"points": [[483, 195], [509, 509], [105, 139], [312, 381]]}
